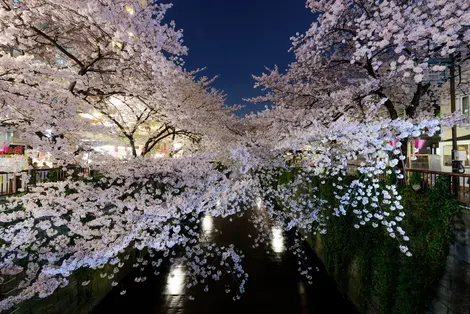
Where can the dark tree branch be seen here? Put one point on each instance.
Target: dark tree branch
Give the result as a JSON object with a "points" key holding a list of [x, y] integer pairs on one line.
{"points": [[6, 6], [388, 104], [62, 49], [420, 91]]}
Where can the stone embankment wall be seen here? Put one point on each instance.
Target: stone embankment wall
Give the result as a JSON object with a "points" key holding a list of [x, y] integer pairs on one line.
{"points": [[452, 292], [74, 298]]}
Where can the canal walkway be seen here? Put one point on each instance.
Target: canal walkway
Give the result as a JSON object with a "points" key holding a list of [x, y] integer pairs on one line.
{"points": [[274, 284]]}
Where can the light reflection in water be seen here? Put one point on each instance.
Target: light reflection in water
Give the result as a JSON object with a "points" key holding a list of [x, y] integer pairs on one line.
{"points": [[207, 224], [175, 280], [303, 297], [207, 228], [259, 202], [277, 241]]}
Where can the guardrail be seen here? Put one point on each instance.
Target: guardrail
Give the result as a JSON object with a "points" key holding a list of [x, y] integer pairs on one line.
{"points": [[428, 180], [14, 183]]}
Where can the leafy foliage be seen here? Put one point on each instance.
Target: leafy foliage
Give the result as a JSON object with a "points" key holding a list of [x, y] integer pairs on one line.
{"points": [[415, 179], [388, 280]]}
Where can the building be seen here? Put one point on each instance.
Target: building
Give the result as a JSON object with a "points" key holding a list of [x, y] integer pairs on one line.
{"points": [[462, 104]]}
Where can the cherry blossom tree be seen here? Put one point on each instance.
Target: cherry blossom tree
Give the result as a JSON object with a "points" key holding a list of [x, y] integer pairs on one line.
{"points": [[360, 62], [163, 118], [114, 59], [381, 50], [84, 67], [63, 65]]}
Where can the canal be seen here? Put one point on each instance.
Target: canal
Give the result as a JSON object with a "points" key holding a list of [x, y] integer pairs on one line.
{"points": [[274, 284]]}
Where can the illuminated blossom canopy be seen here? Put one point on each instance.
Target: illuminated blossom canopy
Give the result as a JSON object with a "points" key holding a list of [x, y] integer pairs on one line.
{"points": [[80, 68]]}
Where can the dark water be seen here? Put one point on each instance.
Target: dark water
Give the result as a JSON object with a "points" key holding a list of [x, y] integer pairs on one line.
{"points": [[274, 284]]}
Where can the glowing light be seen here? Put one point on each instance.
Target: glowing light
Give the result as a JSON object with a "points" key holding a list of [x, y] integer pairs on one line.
{"points": [[130, 9], [207, 224], [277, 241], [177, 146], [175, 280], [259, 202], [116, 44]]}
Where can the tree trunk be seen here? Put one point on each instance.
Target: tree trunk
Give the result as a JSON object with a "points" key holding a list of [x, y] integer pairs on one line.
{"points": [[132, 143], [404, 149], [420, 91]]}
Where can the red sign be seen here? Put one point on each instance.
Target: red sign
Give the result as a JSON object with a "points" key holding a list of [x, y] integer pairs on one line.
{"points": [[13, 150]]}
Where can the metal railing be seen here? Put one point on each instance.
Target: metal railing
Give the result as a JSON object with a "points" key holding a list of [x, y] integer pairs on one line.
{"points": [[14, 183], [428, 179]]}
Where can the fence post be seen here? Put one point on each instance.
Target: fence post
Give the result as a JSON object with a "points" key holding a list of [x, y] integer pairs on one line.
{"points": [[14, 183]]}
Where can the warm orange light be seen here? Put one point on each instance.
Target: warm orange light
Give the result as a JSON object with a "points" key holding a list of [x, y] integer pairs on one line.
{"points": [[130, 9], [116, 44]]}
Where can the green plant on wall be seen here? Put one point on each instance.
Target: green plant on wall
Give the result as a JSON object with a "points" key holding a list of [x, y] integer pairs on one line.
{"points": [[85, 292], [52, 176], [389, 281], [415, 179]]}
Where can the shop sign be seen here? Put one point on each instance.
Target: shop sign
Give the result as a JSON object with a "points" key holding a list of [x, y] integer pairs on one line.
{"points": [[12, 150]]}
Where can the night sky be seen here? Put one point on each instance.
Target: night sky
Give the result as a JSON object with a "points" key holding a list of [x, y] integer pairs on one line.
{"points": [[238, 38]]}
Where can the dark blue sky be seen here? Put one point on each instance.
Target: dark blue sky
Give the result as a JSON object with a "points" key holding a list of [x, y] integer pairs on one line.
{"points": [[238, 38]]}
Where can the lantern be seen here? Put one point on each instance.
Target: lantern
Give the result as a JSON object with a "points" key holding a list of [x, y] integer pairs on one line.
{"points": [[419, 144], [394, 143]]}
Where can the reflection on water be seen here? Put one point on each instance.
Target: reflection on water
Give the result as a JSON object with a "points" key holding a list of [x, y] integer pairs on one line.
{"points": [[259, 202], [303, 297], [274, 285], [277, 241], [207, 228], [175, 280], [207, 224]]}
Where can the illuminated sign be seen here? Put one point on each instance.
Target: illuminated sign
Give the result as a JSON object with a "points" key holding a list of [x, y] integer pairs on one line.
{"points": [[12, 150]]}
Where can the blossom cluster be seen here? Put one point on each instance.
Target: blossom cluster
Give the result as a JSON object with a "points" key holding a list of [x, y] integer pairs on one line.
{"points": [[117, 70]]}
